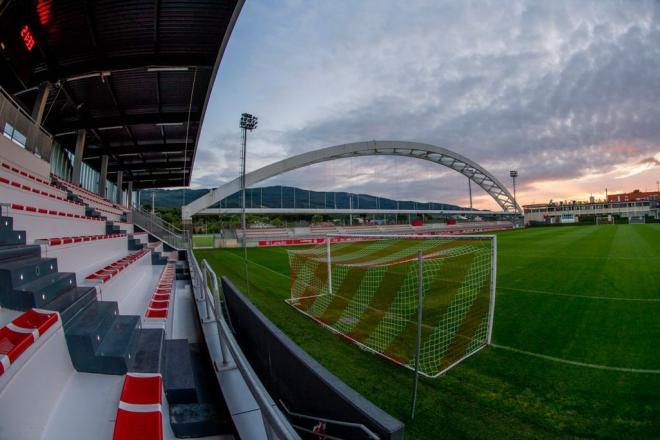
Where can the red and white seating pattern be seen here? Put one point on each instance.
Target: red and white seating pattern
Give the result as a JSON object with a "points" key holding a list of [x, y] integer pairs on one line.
{"points": [[22, 176], [13, 191], [107, 273], [265, 232], [79, 239], [159, 305], [86, 194], [21, 333], [44, 223], [140, 411]]}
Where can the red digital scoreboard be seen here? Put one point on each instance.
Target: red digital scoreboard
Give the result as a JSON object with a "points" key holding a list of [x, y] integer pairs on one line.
{"points": [[28, 39]]}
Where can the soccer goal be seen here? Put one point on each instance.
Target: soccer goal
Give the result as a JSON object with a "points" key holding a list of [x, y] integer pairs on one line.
{"points": [[637, 220], [366, 288], [605, 220]]}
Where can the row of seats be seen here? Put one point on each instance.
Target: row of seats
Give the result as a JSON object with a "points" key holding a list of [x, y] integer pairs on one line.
{"points": [[140, 412], [111, 270], [36, 191], [80, 190], [23, 173], [80, 238], [21, 333], [160, 300], [32, 209], [25, 177]]}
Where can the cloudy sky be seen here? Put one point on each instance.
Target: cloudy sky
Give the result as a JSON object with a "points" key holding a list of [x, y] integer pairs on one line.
{"points": [[568, 93]]}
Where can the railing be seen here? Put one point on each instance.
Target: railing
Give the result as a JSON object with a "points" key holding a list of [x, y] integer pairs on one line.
{"points": [[207, 290], [17, 125], [152, 223], [358, 426]]}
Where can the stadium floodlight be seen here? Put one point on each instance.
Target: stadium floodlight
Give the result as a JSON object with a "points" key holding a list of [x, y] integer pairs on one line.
{"points": [[514, 174], [248, 122]]}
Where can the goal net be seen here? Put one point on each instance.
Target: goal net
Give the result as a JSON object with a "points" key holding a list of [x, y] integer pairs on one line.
{"points": [[607, 220], [365, 288], [637, 220]]}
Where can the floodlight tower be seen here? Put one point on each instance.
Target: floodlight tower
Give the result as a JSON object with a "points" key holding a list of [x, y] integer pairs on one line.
{"points": [[514, 174], [248, 122]]}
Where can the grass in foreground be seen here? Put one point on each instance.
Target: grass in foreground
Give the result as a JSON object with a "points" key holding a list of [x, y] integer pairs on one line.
{"points": [[586, 294]]}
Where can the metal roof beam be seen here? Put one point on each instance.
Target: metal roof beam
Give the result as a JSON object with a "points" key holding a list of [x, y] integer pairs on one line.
{"points": [[136, 119], [129, 62]]}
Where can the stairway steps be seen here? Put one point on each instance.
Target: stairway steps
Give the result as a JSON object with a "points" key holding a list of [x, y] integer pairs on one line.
{"points": [[150, 351], [194, 420], [10, 252], [16, 273], [12, 237], [117, 350], [88, 329], [39, 292], [6, 223], [179, 377], [72, 303]]}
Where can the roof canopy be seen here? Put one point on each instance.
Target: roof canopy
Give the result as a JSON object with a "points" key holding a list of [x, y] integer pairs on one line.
{"points": [[134, 74]]}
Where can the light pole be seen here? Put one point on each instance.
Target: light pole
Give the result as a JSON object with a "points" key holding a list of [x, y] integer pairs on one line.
{"points": [[514, 174], [248, 122]]}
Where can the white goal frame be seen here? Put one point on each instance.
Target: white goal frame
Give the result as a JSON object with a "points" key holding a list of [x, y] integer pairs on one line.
{"points": [[632, 220], [608, 220], [492, 291]]}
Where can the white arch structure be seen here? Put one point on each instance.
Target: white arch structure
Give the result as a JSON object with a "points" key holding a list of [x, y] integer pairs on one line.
{"points": [[432, 153]]}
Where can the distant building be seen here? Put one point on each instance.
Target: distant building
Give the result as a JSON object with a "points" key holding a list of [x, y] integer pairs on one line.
{"points": [[638, 204], [634, 196]]}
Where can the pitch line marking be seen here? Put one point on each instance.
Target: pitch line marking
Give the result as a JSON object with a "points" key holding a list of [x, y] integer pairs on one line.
{"points": [[545, 292], [576, 363]]}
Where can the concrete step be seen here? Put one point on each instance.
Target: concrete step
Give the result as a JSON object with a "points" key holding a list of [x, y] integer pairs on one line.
{"points": [[10, 252], [6, 223], [18, 272], [12, 237], [193, 420], [87, 330], [150, 353], [72, 303], [39, 292], [117, 351], [179, 377], [134, 244]]}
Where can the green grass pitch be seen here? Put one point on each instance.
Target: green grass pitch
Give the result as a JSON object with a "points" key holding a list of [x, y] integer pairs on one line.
{"points": [[575, 345], [202, 240]]}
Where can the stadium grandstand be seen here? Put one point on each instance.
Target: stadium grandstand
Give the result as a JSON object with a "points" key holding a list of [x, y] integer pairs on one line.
{"points": [[635, 206], [106, 328]]}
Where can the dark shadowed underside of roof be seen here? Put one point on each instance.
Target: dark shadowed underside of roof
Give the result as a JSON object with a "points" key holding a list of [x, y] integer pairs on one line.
{"points": [[134, 74]]}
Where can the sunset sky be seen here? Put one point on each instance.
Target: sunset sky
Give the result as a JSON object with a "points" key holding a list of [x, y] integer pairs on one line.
{"points": [[567, 93]]}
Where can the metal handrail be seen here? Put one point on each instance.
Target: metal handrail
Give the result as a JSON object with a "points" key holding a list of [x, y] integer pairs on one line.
{"points": [[275, 423], [154, 224], [372, 435], [164, 222]]}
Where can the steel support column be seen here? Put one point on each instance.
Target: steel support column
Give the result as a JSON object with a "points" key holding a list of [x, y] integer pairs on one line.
{"points": [[129, 194], [120, 186], [77, 160], [103, 178], [40, 104]]}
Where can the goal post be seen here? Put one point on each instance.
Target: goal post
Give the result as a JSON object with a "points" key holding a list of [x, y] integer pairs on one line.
{"points": [[365, 288], [604, 220], [637, 220]]}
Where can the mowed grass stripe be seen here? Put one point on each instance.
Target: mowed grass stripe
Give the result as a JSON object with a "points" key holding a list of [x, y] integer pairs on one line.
{"points": [[344, 295], [391, 283], [438, 295]]}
